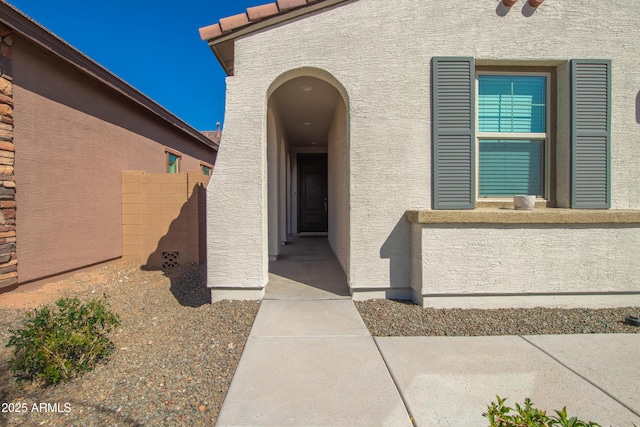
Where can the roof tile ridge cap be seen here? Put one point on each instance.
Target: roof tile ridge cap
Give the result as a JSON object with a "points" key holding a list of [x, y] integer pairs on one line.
{"points": [[285, 5], [234, 22], [210, 31], [263, 11]]}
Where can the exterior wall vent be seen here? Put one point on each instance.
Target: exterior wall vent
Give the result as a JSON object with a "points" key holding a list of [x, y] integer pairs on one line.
{"points": [[170, 259]]}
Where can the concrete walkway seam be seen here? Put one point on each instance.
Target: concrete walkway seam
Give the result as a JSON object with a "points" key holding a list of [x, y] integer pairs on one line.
{"points": [[633, 411], [395, 383]]}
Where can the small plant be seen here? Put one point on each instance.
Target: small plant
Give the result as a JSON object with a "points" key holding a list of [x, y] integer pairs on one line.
{"points": [[500, 415], [64, 342]]}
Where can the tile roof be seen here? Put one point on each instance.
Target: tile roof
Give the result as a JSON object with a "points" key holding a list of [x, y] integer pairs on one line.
{"points": [[214, 135], [222, 34], [253, 15]]}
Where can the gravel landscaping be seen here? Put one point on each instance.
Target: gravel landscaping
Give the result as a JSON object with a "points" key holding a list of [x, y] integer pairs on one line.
{"points": [[386, 318], [175, 352]]}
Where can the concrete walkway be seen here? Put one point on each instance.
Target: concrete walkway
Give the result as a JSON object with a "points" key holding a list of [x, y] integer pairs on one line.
{"points": [[310, 361]]}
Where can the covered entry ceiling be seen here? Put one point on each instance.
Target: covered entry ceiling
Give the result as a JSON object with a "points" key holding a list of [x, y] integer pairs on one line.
{"points": [[306, 107]]}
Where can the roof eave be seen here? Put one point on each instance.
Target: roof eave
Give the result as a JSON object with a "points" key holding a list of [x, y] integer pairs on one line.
{"points": [[227, 63]]}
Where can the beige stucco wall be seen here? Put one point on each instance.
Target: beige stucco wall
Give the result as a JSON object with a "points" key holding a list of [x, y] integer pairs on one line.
{"points": [[276, 153], [504, 258], [237, 212], [380, 53], [73, 139], [568, 262], [338, 184]]}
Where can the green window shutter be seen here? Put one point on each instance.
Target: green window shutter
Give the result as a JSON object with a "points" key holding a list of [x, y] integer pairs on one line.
{"points": [[590, 134], [453, 127]]}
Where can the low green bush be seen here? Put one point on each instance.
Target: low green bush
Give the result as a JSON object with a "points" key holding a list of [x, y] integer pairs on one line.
{"points": [[500, 415], [63, 342]]}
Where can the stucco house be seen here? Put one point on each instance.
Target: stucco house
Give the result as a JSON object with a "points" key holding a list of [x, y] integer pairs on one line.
{"points": [[403, 130], [68, 130]]}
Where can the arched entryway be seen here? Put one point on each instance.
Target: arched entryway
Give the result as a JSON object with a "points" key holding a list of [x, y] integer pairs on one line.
{"points": [[308, 162]]}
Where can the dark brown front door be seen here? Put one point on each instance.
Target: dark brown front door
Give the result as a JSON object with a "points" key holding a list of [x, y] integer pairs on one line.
{"points": [[312, 203]]}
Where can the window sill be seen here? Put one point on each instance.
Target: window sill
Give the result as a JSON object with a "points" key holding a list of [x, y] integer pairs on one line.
{"points": [[505, 203], [536, 216]]}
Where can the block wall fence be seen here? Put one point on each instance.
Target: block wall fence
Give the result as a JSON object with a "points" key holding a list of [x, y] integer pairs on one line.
{"points": [[163, 218], [8, 258]]}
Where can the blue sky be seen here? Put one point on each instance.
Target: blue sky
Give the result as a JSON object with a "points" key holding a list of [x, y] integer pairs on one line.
{"points": [[152, 45]]}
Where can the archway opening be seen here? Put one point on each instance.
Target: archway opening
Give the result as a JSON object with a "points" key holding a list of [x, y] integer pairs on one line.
{"points": [[308, 163]]}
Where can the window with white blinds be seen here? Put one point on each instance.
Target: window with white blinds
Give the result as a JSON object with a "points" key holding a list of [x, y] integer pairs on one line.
{"points": [[512, 134], [491, 133]]}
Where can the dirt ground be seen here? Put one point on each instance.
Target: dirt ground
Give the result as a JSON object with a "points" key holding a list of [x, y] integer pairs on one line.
{"points": [[47, 293]]}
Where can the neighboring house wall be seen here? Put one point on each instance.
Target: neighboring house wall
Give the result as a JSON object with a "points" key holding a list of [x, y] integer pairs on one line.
{"points": [[380, 52], [75, 135], [163, 218]]}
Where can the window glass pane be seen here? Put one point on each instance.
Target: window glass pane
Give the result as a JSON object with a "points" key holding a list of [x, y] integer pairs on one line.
{"points": [[511, 167], [206, 170], [512, 103], [172, 163]]}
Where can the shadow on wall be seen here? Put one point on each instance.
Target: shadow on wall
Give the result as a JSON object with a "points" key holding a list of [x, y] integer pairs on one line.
{"points": [[164, 227], [527, 10], [638, 108], [502, 10], [397, 248], [181, 252]]}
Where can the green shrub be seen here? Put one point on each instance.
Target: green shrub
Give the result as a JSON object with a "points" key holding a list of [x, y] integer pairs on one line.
{"points": [[64, 342], [500, 415]]}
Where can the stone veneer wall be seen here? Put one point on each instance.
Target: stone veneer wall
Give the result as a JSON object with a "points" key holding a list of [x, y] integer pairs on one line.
{"points": [[8, 260]]}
